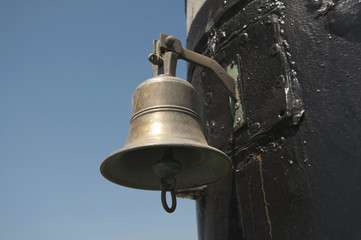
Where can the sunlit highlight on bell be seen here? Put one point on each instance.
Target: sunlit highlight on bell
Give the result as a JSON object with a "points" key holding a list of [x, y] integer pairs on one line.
{"points": [[156, 128]]}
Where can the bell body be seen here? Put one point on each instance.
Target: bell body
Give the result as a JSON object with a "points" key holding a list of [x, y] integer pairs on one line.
{"points": [[165, 119]]}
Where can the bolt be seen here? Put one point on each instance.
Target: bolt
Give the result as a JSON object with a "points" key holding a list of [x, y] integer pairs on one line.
{"points": [[238, 120], [236, 106], [169, 41], [232, 64]]}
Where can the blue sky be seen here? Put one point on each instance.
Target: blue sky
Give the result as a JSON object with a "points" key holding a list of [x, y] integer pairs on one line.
{"points": [[67, 73]]}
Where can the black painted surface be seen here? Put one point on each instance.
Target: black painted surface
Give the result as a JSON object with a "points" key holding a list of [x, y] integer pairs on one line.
{"points": [[297, 175]]}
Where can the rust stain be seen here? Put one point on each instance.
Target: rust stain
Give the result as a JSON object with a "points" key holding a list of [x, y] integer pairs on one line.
{"points": [[264, 196]]}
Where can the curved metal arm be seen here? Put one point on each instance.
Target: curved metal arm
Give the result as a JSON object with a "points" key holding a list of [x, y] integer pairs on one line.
{"points": [[169, 43]]}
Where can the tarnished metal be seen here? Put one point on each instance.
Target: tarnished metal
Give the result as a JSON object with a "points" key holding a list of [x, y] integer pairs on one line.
{"points": [[166, 149], [165, 117]]}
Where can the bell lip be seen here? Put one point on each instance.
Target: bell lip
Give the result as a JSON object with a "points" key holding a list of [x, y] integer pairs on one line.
{"points": [[128, 149]]}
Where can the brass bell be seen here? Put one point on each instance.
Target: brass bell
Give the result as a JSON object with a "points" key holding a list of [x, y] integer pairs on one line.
{"points": [[165, 149], [165, 132]]}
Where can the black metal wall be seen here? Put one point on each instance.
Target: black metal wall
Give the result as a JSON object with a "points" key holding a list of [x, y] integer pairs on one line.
{"points": [[297, 157]]}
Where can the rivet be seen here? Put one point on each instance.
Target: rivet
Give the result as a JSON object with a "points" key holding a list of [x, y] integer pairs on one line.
{"points": [[274, 50], [243, 38], [255, 127], [286, 45], [268, 21]]}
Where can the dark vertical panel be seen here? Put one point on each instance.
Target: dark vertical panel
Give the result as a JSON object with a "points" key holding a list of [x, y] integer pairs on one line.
{"points": [[296, 174]]}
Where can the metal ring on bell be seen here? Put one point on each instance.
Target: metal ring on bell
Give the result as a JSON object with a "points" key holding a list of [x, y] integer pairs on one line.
{"points": [[164, 201]]}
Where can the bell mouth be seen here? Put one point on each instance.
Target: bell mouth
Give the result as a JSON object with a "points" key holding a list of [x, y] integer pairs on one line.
{"points": [[133, 166]]}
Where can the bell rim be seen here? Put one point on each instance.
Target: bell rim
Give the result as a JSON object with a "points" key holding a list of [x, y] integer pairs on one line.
{"points": [[125, 149]]}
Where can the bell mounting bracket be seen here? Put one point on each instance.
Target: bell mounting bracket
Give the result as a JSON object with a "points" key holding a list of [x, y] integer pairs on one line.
{"points": [[168, 49]]}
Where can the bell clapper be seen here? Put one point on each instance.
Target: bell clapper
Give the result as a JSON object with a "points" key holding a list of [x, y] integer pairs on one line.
{"points": [[166, 169]]}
